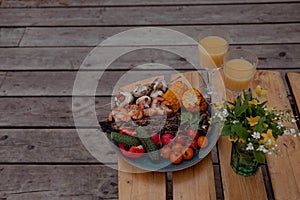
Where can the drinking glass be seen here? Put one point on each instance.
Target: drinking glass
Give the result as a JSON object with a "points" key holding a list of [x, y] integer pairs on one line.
{"points": [[213, 45], [239, 69]]}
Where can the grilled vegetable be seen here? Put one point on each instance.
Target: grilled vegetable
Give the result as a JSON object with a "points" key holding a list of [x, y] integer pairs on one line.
{"points": [[193, 101], [148, 144], [125, 140], [174, 94]]}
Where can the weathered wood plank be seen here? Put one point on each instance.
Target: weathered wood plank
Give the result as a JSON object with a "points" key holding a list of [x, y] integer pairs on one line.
{"points": [[280, 171], [135, 183], [2, 78], [188, 15], [43, 145], [70, 58], [92, 36], [41, 83], [185, 180], [284, 170], [32, 83], [55, 112], [42, 58], [58, 182], [196, 182], [11, 37], [72, 3], [248, 187], [236, 186], [294, 80]]}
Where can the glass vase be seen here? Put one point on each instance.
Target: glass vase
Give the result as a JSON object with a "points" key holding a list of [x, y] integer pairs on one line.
{"points": [[243, 161]]}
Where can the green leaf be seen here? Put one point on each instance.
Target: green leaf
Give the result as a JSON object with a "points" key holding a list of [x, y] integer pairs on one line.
{"points": [[226, 130], [237, 104], [201, 118], [260, 126], [240, 131], [263, 103], [260, 111], [243, 108], [259, 157]]}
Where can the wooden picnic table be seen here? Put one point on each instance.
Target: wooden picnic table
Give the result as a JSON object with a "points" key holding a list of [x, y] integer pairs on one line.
{"points": [[44, 42]]}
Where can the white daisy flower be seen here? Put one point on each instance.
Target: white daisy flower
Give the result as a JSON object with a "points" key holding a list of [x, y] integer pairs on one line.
{"points": [[262, 148], [235, 121], [256, 135], [293, 131], [250, 147]]}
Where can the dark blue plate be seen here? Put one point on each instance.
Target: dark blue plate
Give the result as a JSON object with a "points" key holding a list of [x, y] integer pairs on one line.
{"points": [[165, 165]]}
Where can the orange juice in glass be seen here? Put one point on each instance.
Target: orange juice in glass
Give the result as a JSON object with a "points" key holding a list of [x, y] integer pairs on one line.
{"points": [[213, 44], [239, 69]]}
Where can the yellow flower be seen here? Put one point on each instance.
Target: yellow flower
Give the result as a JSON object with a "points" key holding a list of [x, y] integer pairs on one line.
{"points": [[219, 104], [230, 106], [266, 125], [268, 139], [253, 102], [260, 92], [253, 120], [242, 140], [269, 109], [234, 139]]}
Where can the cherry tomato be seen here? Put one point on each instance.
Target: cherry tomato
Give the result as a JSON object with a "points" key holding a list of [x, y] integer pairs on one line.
{"points": [[187, 153], [177, 147], [165, 152], [194, 134], [180, 138], [155, 138], [167, 138], [133, 152], [202, 141], [176, 158], [191, 143]]}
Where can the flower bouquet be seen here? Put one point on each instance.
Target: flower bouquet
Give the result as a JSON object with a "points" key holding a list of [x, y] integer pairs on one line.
{"points": [[253, 128]]}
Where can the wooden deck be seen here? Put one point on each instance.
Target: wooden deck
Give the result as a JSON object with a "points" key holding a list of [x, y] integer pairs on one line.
{"points": [[44, 42]]}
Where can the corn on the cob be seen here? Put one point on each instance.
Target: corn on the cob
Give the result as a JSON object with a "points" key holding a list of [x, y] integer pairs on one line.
{"points": [[174, 94], [193, 101]]}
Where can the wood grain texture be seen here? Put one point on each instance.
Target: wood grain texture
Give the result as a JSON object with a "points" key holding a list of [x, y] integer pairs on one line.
{"points": [[285, 168], [199, 179], [139, 184], [73, 3], [41, 83], [70, 58], [294, 80], [187, 15], [92, 36], [43, 146], [236, 186], [196, 182], [58, 182], [11, 37], [42, 58], [55, 111]]}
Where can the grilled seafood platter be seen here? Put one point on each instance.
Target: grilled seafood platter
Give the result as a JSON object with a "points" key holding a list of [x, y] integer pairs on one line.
{"points": [[159, 125]]}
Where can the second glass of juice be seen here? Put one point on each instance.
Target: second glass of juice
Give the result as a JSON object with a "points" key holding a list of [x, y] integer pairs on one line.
{"points": [[213, 44], [239, 69]]}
